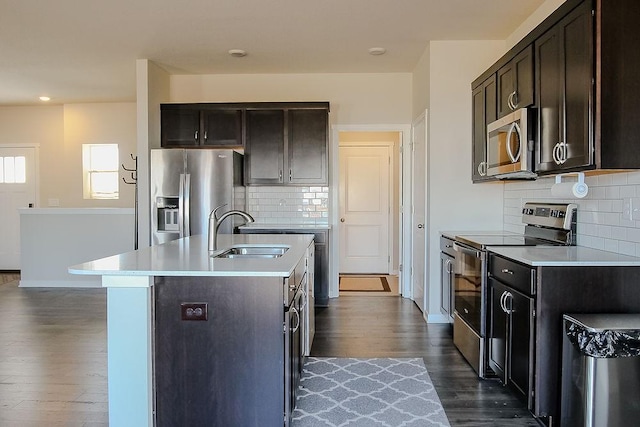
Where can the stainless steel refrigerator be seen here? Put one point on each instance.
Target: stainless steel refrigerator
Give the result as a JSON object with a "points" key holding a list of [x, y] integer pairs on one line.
{"points": [[186, 185]]}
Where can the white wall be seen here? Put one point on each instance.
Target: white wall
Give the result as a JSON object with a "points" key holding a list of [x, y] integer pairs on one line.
{"points": [[532, 21], [354, 98], [420, 85], [61, 130], [100, 123], [455, 203]]}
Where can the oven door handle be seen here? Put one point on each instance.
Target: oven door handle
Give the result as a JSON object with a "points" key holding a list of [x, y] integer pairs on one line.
{"points": [[465, 250]]}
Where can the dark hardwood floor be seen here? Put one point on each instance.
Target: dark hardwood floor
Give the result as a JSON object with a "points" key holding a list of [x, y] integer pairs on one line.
{"points": [[53, 356], [369, 326]]}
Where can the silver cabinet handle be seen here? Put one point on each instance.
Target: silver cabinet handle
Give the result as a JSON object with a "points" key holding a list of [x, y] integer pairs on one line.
{"points": [[513, 100], [509, 102], [196, 135], [560, 152], [502, 303], [482, 168], [507, 271], [508, 296], [448, 266], [205, 135], [420, 225], [298, 319], [280, 176]]}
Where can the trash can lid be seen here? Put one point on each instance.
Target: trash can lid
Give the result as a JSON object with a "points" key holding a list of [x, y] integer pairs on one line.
{"points": [[605, 322]]}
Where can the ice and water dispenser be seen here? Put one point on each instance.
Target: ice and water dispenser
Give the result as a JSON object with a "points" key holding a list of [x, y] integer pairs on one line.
{"points": [[168, 213]]}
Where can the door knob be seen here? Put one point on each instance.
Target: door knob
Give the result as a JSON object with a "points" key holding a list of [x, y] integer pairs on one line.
{"points": [[420, 225], [341, 219]]}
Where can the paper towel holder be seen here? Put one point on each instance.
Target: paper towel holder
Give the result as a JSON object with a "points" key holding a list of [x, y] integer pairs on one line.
{"points": [[579, 189]]}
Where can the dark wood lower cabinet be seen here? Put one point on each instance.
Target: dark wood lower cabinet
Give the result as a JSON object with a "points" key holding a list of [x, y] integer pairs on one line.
{"points": [[525, 344]]}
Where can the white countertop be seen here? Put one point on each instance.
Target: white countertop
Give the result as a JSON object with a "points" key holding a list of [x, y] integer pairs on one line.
{"points": [[564, 256], [190, 257], [452, 234], [264, 226]]}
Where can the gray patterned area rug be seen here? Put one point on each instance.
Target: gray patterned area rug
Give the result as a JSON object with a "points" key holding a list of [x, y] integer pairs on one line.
{"points": [[367, 392]]}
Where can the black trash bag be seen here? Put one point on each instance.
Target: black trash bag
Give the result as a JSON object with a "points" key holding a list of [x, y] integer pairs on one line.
{"points": [[604, 344]]}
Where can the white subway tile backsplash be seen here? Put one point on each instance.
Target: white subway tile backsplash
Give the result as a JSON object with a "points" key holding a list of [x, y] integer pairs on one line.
{"points": [[288, 205], [601, 220]]}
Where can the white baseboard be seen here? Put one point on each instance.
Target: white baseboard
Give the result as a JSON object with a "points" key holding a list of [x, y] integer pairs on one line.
{"points": [[60, 284], [436, 318]]}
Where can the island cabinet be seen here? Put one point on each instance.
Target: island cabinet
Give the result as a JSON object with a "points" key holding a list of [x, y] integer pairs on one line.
{"points": [[525, 312], [201, 125], [484, 112], [287, 146], [515, 83]]}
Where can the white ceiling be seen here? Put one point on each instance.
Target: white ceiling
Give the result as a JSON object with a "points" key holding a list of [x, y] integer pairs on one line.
{"points": [[85, 50]]}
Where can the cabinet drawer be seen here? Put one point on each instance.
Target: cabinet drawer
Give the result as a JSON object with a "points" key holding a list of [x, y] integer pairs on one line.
{"points": [[518, 276]]}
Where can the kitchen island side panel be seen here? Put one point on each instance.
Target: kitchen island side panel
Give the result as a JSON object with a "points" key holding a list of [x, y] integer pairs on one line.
{"points": [[574, 290], [229, 369]]}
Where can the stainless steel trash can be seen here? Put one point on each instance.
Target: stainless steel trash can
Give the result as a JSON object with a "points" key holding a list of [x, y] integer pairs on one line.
{"points": [[600, 370]]}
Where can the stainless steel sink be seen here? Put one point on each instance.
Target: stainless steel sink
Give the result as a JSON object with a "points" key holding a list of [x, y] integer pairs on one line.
{"points": [[253, 251]]}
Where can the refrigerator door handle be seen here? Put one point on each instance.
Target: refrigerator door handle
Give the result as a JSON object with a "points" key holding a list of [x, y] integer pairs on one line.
{"points": [[181, 206], [187, 204]]}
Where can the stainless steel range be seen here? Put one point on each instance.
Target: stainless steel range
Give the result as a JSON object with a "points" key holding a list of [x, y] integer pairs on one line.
{"points": [[546, 224]]}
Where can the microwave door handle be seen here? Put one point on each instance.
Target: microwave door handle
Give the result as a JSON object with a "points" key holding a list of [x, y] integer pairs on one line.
{"points": [[513, 128]]}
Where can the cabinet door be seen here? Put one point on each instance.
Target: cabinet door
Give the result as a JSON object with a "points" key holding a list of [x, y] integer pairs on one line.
{"points": [[515, 83], [222, 128], [264, 147], [446, 268], [498, 329], [179, 127], [484, 112], [520, 369], [307, 147], [564, 94]]}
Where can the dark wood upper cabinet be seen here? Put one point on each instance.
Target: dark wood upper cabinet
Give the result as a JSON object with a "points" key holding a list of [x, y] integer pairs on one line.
{"points": [[484, 112], [287, 146], [222, 128], [564, 88], [180, 127], [200, 125], [515, 83], [264, 147], [307, 146]]}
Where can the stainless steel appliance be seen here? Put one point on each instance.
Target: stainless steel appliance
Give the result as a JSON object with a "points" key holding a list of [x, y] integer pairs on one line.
{"points": [[510, 145], [546, 224], [186, 185]]}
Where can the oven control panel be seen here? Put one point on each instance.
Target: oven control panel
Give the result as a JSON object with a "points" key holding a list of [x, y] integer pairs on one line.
{"points": [[554, 215]]}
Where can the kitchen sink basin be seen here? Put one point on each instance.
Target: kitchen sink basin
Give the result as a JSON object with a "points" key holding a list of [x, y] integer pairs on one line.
{"points": [[253, 251]]}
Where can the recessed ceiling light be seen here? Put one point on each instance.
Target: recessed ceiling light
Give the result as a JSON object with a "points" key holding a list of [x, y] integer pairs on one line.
{"points": [[45, 98], [237, 53], [377, 51]]}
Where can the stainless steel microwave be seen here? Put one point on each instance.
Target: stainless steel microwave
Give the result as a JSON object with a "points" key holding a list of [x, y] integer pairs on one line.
{"points": [[510, 146]]}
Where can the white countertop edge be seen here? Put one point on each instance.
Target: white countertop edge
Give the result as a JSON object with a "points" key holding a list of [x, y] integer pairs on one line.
{"points": [[564, 256], [122, 276], [263, 226], [77, 211]]}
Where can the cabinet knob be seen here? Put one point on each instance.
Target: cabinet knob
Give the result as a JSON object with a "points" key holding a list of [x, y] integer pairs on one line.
{"points": [[341, 219]]}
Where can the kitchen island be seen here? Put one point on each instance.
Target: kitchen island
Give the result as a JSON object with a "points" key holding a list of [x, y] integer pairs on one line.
{"points": [[139, 283]]}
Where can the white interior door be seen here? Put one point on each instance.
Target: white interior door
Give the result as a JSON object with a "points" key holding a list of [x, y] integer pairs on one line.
{"points": [[418, 221], [18, 174], [364, 209]]}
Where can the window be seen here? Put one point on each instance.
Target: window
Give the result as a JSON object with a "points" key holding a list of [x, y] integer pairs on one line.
{"points": [[100, 168], [13, 170]]}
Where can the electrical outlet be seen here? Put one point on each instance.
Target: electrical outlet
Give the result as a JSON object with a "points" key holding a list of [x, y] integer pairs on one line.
{"points": [[194, 310], [631, 209]]}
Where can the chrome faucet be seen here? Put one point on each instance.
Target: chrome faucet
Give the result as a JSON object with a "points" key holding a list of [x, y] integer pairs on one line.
{"points": [[214, 224]]}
